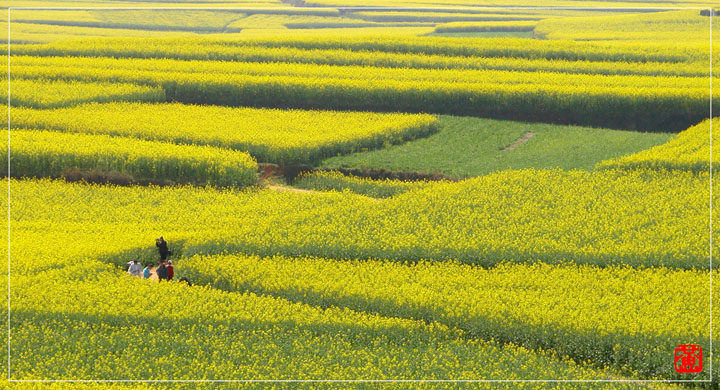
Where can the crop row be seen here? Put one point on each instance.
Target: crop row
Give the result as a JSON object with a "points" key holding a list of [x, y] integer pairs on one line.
{"points": [[210, 334], [252, 51], [493, 70], [157, 20], [572, 310], [436, 17], [23, 33], [39, 93], [485, 26], [494, 47], [285, 137], [336, 181], [34, 153], [689, 150], [680, 26], [603, 218], [624, 106]]}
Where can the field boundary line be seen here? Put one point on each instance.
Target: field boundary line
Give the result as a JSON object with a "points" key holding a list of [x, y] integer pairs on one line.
{"points": [[712, 15], [8, 198], [370, 8]]}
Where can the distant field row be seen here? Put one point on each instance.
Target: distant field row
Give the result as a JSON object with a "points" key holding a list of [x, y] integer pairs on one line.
{"points": [[533, 85], [343, 64], [680, 26], [454, 27], [632, 104], [184, 48]]}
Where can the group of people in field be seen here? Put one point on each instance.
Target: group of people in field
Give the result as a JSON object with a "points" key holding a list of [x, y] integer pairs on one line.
{"points": [[164, 270]]}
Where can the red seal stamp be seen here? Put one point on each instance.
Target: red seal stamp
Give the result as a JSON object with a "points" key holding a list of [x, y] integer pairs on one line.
{"points": [[688, 358]]}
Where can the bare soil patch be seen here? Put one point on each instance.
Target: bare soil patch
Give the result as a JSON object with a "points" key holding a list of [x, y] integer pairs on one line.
{"points": [[519, 141]]}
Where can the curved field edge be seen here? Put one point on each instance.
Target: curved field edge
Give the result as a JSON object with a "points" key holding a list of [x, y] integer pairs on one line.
{"points": [[636, 218], [336, 181], [269, 135], [573, 102], [237, 336], [37, 153], [690, 150], [60, 93], [70, 298], [669, 111], [131, 216], [571, 310], [607, 218]]}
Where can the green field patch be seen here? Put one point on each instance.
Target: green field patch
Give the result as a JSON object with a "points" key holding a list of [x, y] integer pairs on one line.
{"points": [[468, 147]]}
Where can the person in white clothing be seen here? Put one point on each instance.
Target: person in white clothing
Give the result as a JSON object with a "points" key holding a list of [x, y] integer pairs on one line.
{"points": [[135, 268]]}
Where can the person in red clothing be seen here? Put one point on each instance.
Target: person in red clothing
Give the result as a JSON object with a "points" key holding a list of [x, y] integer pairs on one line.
{"points": [[170, 271]]}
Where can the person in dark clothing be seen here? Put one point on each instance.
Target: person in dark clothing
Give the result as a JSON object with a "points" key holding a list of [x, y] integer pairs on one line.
{"points": [[162, 271], [162, 246]]}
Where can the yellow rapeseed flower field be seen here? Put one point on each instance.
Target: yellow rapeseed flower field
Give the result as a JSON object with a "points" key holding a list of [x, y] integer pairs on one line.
{"points": [[74, 316], [59, 93], [635, 316], [689, 150], [281, 136], [36, 153]]}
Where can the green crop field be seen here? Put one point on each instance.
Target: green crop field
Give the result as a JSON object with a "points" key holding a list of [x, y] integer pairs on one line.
{"points": [[482, 146], [422, 195]]}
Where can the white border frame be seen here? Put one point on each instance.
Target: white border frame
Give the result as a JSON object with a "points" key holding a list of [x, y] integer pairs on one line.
{"points": [[710, 355]]}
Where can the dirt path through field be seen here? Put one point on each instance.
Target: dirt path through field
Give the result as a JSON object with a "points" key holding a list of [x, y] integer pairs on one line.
{"points": [[519, 141]]}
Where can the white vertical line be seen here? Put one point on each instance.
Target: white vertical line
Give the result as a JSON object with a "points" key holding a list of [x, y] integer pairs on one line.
{"points": [[8, 210], [712, 15]]}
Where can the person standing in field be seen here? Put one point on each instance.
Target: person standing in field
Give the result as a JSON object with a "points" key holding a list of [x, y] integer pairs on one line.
{"points": [[162, 246], [170, 270], [146, 271], [162, 271], [135, 268]]}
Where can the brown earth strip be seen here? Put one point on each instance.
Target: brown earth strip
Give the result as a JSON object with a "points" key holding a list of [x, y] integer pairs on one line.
{"points": [[519, 141]]}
